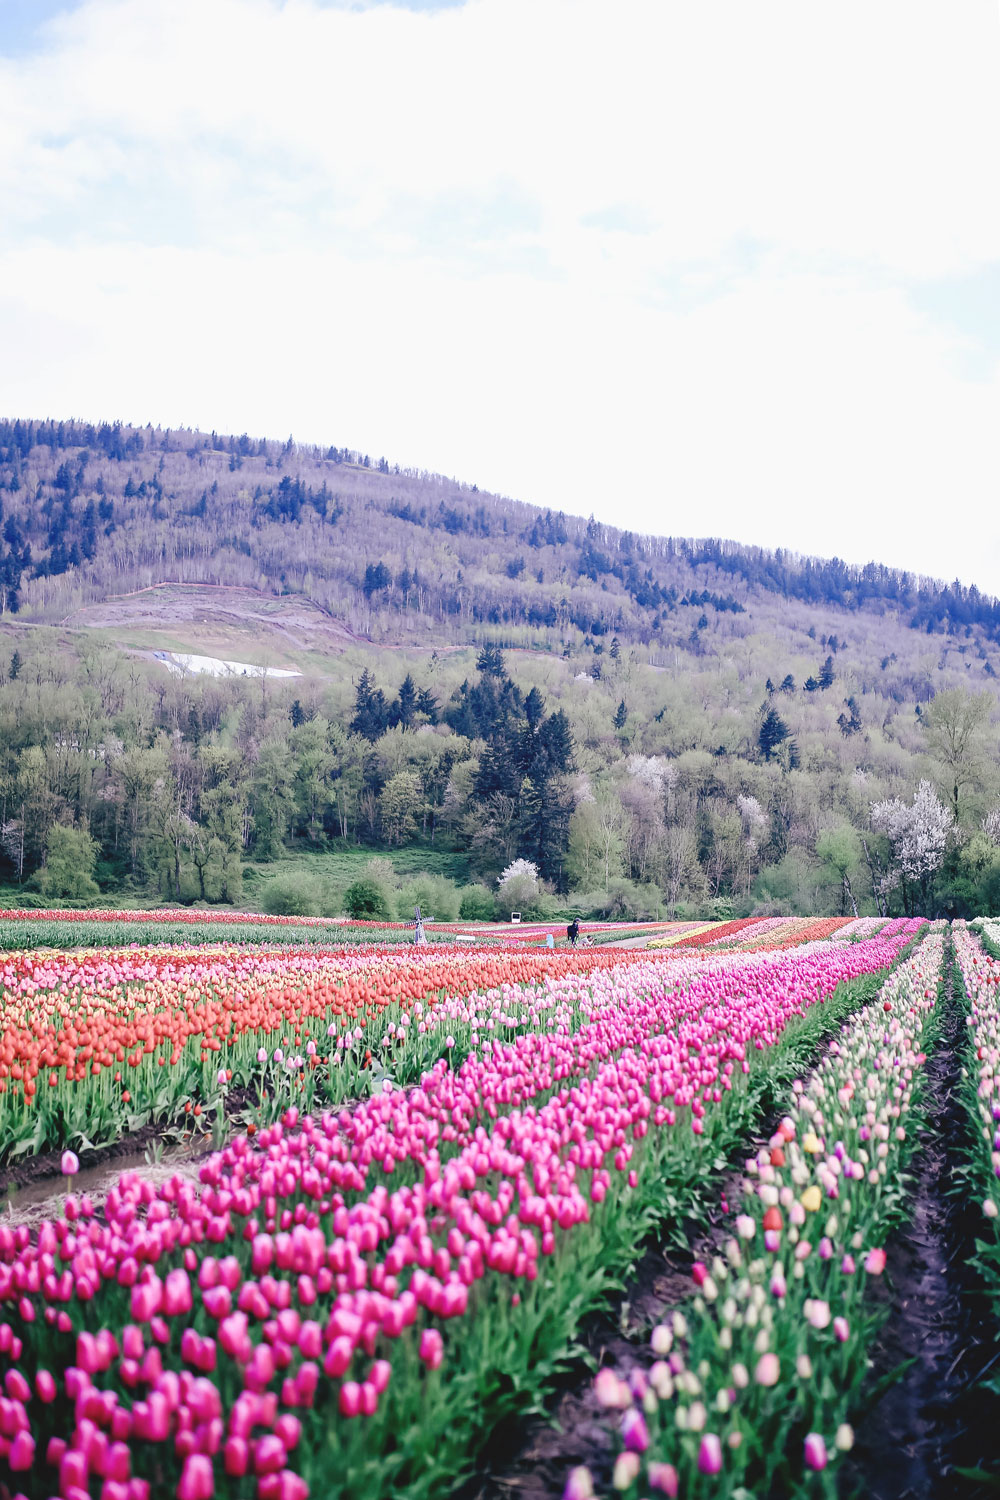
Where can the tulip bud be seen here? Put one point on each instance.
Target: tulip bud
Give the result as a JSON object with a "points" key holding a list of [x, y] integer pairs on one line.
{"points": [[626, 1470], [662, 1339], [635, 1433], [710, 1454], [663, 1477], [579, 1485], [815, 1451]]}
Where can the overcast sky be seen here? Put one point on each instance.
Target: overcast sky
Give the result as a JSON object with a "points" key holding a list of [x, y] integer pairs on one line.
{"points": [[703, 268]]}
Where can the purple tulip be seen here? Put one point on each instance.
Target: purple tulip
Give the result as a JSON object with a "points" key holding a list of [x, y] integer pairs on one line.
{"points": [[815, 1451], [710, 1454]]}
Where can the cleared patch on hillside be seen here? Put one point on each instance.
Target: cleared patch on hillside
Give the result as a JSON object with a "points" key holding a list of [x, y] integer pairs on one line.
{"points": [[209, 618]]}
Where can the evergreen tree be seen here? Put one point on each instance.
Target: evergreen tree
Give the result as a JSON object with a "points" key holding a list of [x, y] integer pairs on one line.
{"points": [[405, 707], [773, 730], [557, 739], [371, 713], [534, 708], [621, 714], [427, 705], [490, 662], [850, 722]]}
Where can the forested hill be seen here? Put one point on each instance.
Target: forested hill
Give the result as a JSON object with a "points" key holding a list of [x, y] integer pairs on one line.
{"points": [[219, 652], [94, 511]]}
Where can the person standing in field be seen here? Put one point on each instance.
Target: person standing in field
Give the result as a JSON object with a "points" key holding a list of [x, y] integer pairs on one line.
{"points": [[573, 930]]}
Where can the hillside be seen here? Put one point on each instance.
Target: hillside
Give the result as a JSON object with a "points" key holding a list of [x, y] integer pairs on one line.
{"points": [[691, 675]]}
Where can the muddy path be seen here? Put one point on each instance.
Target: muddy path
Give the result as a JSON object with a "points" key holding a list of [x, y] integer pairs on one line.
{"points": [[148, 1143], [33, 1188], [936, 1418]]}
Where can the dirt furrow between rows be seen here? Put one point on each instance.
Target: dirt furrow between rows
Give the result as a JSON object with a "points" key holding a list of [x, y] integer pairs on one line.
{"points": [[935, 1418]]}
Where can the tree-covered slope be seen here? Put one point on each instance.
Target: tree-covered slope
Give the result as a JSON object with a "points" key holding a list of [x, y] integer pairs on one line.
{"points": [[93, 511], [653, 722]]}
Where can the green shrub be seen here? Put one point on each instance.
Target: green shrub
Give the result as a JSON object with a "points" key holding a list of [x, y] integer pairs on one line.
{"points": [[631, 902], [476, 904], [294, 894], [436, 895], [589, 906], [366, 898], [70, 857], [624, 901]]}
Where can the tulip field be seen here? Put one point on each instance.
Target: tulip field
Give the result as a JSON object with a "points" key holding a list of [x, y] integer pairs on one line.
{"points": [[194, 926], [417, 1174]]}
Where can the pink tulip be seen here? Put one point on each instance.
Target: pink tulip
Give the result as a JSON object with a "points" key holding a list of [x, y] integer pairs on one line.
{"points": [[663, 1477], [22, 1452], [610, 1391], [197, 1481], [710, 1454], [875, 1262], [579, 1485], [236, 1456], [815, 1451], [70, 1164], [177, 1293], [635, 1433], [431, 1348]]}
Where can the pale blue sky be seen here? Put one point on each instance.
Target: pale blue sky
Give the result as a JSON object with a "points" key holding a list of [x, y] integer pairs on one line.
{"points": [[714, 269], [21, 22]]}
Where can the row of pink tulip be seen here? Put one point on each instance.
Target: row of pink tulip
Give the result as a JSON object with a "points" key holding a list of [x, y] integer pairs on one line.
{"points": [[980, 974], [293, 1310], [751, 1385]]}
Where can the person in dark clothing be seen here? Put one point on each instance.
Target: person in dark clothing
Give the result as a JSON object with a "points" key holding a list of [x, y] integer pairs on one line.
{"points": [[573, 930]]}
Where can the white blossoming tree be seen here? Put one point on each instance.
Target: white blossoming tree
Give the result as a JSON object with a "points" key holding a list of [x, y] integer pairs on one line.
{"points": [[517, 886], [917, 833], [754, 821]]}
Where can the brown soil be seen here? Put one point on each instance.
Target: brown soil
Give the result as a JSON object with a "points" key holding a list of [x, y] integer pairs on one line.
{"points": [[296, 623], [938, 1417], [46, 1167]]}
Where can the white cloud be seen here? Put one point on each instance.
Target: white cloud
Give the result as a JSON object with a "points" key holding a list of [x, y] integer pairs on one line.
{"points": [[380, 227]]}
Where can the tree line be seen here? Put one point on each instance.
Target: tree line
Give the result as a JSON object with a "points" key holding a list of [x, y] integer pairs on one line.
{"points": [[120, 778]]}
